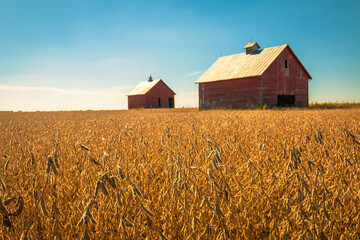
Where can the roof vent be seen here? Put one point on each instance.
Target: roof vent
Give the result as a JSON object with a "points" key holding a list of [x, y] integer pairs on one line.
{"points": [[251, 47], [150, 79]]}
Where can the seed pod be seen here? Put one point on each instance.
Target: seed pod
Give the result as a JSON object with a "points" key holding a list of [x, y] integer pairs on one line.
{"points": [[89, 205], [53, 167], [136, 191], [56, 161], [86, 218], [96, 162], [6, 164], [193, 223], [202, 203], [98, 183], [148, 212], [8, 201], [197, 190], [84, 147], [103, 188], [3, 209], [121, 172], [118, 197], [43, 207], [3, 185], [216, 184], [127, 223], [218, 210], [215, 164], [20, 207], [92, 218], [111, 181], [6, 221], [210, 174], [96, 204], [48, 168]]}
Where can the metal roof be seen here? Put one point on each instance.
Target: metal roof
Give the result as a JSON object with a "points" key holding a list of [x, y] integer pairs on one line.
{"points": [[250, 45], [241, 65], [143, 87]]}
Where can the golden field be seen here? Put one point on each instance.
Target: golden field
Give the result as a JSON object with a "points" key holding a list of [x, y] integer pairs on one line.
{"points": [[180, 174]]}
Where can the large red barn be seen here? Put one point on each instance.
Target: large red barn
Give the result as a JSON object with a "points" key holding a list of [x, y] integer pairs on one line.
{"points": [[151, 94], [272, 76]]}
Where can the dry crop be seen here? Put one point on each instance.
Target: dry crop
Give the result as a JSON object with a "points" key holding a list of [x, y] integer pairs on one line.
{"points": [[180, 174]]}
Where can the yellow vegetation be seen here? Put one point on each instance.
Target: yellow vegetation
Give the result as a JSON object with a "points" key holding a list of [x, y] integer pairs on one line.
{"points": [[180, 174]]}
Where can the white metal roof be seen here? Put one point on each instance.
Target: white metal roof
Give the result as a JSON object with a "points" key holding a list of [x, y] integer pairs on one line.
{"points": [[241, 65], [143, 87]]}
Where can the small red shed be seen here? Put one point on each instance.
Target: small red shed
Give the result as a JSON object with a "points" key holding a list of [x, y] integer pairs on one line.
{"points": [[151, 94], [272, 76]]}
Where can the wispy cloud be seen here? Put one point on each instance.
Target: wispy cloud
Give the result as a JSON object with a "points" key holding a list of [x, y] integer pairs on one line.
{"points": [[52, 99], [191, 74]]}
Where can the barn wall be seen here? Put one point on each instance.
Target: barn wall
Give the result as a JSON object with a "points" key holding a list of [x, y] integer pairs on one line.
{"points": [[162, 91], [278, 80], [238, 93], [137, 101]]}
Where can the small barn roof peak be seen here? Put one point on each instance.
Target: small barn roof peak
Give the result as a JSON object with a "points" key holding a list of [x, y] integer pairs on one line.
{"points": [[143, 87], [251, 45]]}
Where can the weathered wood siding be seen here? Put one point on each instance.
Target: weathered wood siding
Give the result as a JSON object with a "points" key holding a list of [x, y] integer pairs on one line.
{"points": [[238, 93], [151, 98], [136, 101], [258, 91], [278, 80], [161, 91]]}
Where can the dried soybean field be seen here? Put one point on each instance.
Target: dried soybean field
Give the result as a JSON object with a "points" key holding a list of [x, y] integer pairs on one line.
{"points": [[180, 174]]}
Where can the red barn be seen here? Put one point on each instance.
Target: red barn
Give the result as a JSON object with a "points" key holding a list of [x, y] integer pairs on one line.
{"points": [[151, 94], [272, 76]]}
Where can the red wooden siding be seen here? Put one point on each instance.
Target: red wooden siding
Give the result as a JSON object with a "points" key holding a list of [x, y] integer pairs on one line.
{"points": [[258, 91], [161, 91], [136, 101], [278, 80], [151, 98], [238, 93]]}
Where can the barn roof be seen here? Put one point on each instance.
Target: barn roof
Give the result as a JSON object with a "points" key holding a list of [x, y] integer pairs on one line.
{"points": [[243, 65], [249, 45], [143, 87]]}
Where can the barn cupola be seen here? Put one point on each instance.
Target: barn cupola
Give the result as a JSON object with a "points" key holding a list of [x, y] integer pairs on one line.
{"points": [[150, 79], [252, 47]]}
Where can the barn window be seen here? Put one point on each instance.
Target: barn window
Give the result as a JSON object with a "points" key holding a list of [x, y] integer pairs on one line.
{"points": [[159, 102], [286, 63]]}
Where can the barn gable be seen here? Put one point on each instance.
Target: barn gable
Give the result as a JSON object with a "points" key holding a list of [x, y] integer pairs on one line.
{"points": [[151, 94], [272, 76], [244, 65], [144, 87]]}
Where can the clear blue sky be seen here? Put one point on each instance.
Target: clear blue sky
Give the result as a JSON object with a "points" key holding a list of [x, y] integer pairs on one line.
{"points": [[81, 54]]}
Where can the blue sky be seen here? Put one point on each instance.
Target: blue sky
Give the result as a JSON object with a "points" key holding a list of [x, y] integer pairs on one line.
{"points": [[88, 54]]}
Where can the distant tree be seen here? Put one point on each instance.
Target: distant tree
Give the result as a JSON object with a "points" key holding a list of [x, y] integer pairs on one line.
{"points": [[150, 79]]}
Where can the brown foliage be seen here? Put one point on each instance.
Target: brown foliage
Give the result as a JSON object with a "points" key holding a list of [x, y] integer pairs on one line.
{"points": [[180, 174]]}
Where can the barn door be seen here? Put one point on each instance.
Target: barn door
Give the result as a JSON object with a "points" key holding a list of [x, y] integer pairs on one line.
{"points": [[286, 101], [171, 102]]}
